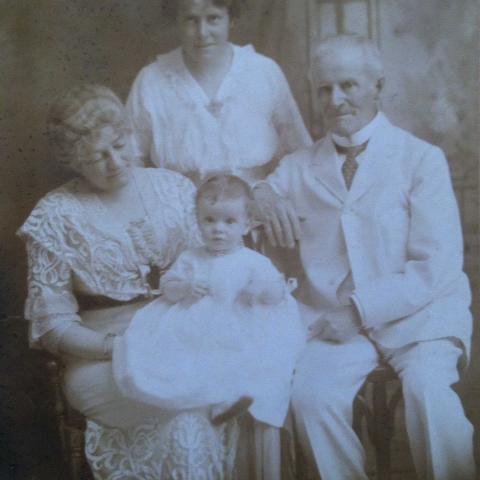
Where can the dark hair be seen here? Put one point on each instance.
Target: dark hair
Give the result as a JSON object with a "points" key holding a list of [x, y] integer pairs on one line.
{"points": [[171, 8], [225, 187]]}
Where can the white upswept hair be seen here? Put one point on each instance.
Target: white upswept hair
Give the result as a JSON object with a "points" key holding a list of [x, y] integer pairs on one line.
{"points": [[370, 53]]}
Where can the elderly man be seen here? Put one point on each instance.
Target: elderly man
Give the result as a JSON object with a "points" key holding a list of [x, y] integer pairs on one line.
{"points": [[381, 247]]}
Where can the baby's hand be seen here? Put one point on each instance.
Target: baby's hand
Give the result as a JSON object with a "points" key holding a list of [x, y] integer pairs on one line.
{"points": [[198, 289], [177, 290], [272, 294], [248, 295], [257, 293]]}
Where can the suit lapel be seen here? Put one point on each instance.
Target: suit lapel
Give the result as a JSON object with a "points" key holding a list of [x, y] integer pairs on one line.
{"points": [[374, 167], [324, 169]]}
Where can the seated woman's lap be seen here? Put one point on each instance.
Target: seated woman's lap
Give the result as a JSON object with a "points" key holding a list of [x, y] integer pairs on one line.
{"points": [[90, 387], [117, 426]]}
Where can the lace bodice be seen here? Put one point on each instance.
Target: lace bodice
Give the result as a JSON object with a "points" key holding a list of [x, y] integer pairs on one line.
{"points": [[252, 119], [74, 246]]}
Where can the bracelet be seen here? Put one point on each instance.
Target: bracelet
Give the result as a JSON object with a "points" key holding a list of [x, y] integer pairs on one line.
{"points": [[108, 345]]}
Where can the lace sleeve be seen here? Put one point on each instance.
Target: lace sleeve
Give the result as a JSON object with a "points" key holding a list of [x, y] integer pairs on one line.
{"points": [[50, 302], [192, 232], [286, 116]]}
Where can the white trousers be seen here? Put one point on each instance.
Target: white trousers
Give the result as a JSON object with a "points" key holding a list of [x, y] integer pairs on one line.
{"points": [[328, 377]]}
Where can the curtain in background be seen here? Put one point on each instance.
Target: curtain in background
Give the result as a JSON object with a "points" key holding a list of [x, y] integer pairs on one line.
{"points": [[278, 29]]}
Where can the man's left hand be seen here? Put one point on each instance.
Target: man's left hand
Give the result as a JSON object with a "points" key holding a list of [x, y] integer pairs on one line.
{"points": [[339, 325]]}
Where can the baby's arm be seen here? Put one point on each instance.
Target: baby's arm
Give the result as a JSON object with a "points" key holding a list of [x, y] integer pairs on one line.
{"points": [[175, 290], [179, 282], [272, 293], [265, 286]]}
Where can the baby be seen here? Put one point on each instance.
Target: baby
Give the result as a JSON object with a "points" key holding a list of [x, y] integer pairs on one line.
{"points": [[226, 332]]}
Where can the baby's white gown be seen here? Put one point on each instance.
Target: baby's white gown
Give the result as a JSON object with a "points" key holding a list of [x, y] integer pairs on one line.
{"points": [[194, 355]]}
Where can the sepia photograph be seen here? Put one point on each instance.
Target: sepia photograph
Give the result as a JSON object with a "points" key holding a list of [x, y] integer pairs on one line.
{"points": [[239, 240]]}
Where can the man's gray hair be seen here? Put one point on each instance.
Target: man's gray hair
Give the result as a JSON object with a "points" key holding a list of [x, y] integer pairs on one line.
{"points": [[371, 54]]}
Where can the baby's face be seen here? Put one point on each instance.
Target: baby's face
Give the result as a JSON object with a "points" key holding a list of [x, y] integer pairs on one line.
{"points": [[223, 224]]}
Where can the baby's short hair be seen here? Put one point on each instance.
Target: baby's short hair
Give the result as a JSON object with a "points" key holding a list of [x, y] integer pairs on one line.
{"points": [[224, 187]]}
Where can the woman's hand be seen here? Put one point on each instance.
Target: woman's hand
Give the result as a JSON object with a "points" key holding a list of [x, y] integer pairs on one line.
{"points": [[280, 221], [80, 341]]}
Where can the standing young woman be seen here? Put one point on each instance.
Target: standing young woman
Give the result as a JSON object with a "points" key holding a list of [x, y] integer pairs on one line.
{"points": [[210, 106]]}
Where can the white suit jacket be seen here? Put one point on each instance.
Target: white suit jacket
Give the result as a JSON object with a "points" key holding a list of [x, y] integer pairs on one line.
{"points": [[397, 230]]}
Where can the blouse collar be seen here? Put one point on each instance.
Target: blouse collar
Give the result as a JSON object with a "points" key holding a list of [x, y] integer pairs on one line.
{"points": [[178, 67]]}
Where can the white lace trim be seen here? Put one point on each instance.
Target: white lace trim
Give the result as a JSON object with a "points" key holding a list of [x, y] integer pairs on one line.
{"points": [[185, 448]]}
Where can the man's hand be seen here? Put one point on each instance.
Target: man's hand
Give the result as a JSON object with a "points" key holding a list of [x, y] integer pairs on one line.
{"points": [[280, 221], [339, 325]]}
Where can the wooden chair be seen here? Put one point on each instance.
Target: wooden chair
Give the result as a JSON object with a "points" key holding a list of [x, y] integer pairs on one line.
{"points": [[71, 427], [374, 404]]}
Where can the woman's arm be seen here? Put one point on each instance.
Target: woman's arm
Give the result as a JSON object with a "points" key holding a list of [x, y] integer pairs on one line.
{"points": [[79, 341], [286, 117], [52, 309], [141, 120]]}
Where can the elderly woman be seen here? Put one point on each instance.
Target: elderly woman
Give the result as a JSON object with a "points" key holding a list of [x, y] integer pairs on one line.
{"points": [[93, 246], [210, 106]]}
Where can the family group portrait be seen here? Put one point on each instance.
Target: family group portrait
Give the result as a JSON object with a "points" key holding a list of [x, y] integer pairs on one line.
{"points": [[239, 240]]}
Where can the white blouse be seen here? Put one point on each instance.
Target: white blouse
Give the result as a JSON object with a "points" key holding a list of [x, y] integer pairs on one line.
{"points": [[252, 120], [74, 246]]}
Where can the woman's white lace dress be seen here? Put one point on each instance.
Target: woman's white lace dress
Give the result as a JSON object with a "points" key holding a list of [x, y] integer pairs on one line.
{"points": [[75, 248], [252, 120]]}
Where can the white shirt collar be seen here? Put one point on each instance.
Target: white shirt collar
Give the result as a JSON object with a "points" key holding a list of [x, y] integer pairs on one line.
{"points": [[362, 136]]}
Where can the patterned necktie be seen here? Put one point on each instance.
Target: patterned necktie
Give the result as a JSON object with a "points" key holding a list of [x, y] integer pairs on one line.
{"points": [[350, 164]]}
